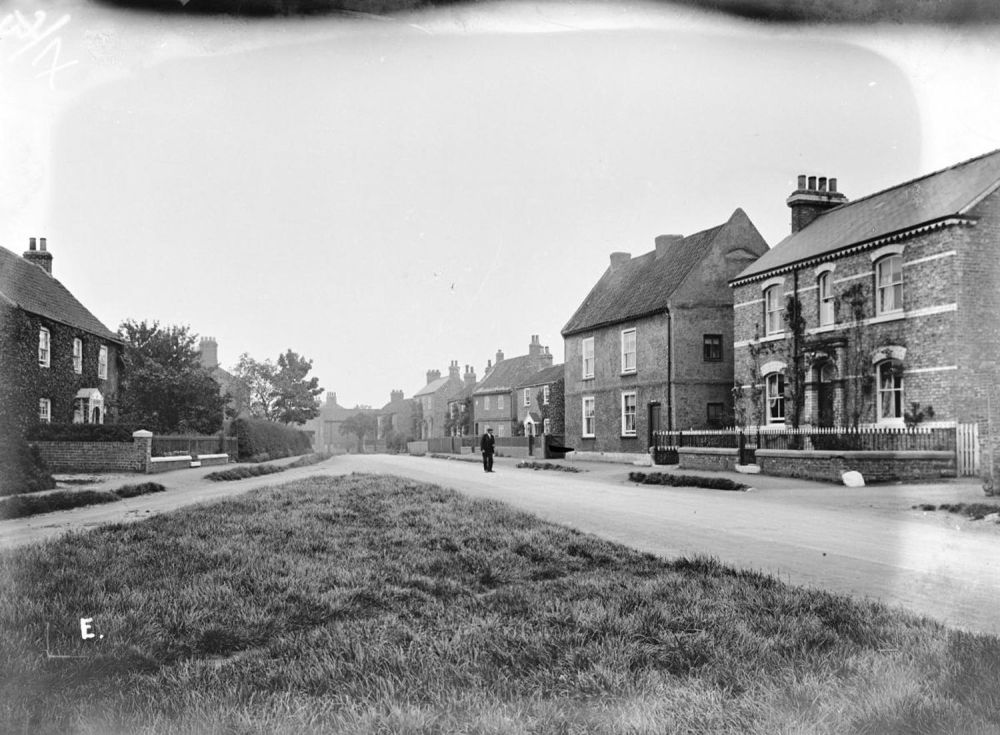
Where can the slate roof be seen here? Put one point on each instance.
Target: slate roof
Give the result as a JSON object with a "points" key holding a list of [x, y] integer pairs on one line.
{"points": [[642, 286], [396, 406], [433, 387], [544, 376], [926, 200], [506, 374], [30, 288]]}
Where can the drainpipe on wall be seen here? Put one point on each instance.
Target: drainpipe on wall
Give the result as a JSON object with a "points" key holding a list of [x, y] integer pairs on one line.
{"points": [[671, 422]]}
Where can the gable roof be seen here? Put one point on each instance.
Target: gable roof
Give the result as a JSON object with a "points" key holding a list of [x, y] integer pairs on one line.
{"points": [[507, 374], [544, 376], [928, 200], [642, 286], [433, 387], [29, 287]]}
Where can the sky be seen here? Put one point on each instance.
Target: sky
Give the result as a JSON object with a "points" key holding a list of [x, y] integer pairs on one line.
{"points": [[386, 195]]}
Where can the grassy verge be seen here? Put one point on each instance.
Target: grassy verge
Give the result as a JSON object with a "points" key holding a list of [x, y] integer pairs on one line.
{"points": [[257, 470], [548, 466], [975, 511], [378, 605], [663, 478], [22, 506]]}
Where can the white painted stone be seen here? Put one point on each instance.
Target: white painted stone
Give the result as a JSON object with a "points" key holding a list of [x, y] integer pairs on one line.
{"points": [[748, 469], [853, 479]]}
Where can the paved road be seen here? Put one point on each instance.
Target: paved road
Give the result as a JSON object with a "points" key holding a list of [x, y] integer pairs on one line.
{"points": [[864, 542]]}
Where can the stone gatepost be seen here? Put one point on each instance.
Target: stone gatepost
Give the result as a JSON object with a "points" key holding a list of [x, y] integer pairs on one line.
{"points": [[142, 442]]}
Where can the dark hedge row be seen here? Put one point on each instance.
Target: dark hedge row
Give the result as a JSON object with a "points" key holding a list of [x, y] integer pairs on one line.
{"points": [[662, 478], [81, 432], [22, 470], [23, 506], [261, 440]]}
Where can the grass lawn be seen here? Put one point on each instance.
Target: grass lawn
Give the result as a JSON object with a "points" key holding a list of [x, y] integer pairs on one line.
{"points": [[366, 604]]}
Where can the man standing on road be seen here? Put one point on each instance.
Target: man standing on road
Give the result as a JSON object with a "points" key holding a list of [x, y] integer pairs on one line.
{"points": [[486, 444]]}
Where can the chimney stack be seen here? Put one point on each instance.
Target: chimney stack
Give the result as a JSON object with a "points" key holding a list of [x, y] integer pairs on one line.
{"points": [[665, 242], [813, 197], [453, 371], [396, 395], [40, 257], [331, 398], [470, 375], [499, 356], [619, 259], [433, 375], [535, 348], [208, 352]]}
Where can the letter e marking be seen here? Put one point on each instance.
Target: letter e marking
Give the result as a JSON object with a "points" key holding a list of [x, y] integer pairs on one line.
{"points": [[86, 628]]}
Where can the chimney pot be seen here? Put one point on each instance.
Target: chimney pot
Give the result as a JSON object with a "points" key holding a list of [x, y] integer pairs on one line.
{"points": [[31, 243], [833, 185], [822, 183], [41, 243], [619, 259], [812, 183], [802, 182]]}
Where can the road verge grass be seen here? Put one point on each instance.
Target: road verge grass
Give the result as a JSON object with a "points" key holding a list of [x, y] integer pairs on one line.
{"points": [[22, 506], [368, 604], [244, 471]]}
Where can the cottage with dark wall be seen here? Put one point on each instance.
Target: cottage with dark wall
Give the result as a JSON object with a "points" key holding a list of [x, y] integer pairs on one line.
{"points": [[58, 362], [649, 347], [539, 400], [898, 292]]}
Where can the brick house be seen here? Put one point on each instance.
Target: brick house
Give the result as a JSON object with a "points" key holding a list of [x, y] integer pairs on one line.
{"points": [[460, 419], [899, 294], [648, 348], [495, 399], [325, 427], [433, 400], [396, 417], [58, 362], [539, 401]]}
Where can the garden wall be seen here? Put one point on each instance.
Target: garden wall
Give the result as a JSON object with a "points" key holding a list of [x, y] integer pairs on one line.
{"points": [[72, 456], [873, 466], [704, 458]]}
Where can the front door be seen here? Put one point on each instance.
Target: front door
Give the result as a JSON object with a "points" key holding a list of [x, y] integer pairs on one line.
{"points": [[654, 422], [825, 396]]}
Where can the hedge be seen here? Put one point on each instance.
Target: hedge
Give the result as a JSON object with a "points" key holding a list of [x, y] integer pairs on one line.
{"points": [[22, 470], [81, 432], [662, 478], [260, 440]]}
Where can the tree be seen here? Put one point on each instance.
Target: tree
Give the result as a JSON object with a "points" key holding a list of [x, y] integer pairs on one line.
{"points": [[296, 399], [164, 387], [254, 387], [361, 425]]}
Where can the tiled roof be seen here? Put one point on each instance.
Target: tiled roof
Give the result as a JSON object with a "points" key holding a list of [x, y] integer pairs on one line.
{"points": [[508, 373], [926, 200], [396, 406], [642, 286], [29, 287], [543, 377], [433, 387], [466, 392]]}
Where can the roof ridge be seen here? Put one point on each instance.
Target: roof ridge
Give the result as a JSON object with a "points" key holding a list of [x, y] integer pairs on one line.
{"points": [[909, 182]]}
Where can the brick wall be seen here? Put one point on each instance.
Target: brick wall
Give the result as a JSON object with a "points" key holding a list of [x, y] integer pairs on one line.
{"points": [[873, 466], [92, 456], [716, 460]]}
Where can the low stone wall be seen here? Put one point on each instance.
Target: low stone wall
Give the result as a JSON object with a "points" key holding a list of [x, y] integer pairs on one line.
{"points": [[166, 464], [418, 448], [632, 458], [873, 466], [94, 456], [701, 458]]}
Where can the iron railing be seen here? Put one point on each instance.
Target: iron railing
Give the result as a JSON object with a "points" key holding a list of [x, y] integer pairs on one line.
{"points": [[168, 445]]}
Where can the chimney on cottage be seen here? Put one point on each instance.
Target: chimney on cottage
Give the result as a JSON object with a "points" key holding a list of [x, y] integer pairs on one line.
{"points": [[489, 366], [331, 398], [208, 352], [470, 375], [813, 196], [535, 348], [499, 356], [433, 375], [546, 358], [619, 259], [665, 242], [453, 371], [396, 395], [40, 256]]}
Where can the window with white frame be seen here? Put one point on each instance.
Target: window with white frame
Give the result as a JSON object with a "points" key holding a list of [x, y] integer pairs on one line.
{"points": [[527, 396], [80, 408], [77, 355], [44, 410], [588, 416], [628, 413], [890, 390], [486, 403], [628, 351], [500, 403], [775, 395], [102, 363], [44, 347], [545, 395], [500, 430], [774, 310], [825, 289], [587, 350], [889, 284], [545, 426]]}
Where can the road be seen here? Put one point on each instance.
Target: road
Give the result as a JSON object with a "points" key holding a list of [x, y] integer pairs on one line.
{"points": [[863, 542]]}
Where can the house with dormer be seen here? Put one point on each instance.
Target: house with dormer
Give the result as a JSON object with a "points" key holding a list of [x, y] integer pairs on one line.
{"points": [[649, 347], [58, 362], [898, 294]]}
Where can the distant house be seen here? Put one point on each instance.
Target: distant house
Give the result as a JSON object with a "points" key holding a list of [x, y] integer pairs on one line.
{"points": [[325, 428], [650, 346], [898, 292], [494, 399], [539, 400], [208, 355], [396, 417], [58, 362], [460, 415], [433, 399]]}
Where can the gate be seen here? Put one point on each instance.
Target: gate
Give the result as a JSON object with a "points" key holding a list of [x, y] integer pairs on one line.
{"points": [[967, 449]]}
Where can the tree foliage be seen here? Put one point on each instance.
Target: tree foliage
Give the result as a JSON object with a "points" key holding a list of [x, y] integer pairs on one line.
{"points": [[276, 391], [361, 425], [253, 388], [164, 388]]}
